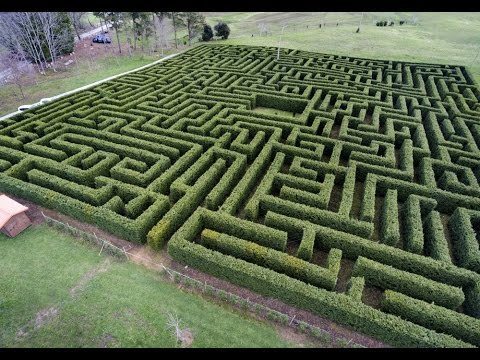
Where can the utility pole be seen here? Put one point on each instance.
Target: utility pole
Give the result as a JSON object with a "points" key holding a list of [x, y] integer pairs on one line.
{"points": [[280, 40]]}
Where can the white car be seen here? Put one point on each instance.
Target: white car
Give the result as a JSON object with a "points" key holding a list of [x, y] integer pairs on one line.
{"points": [[24, 107]]}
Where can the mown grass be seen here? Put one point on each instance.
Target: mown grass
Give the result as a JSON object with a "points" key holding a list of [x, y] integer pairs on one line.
{"points": [[124, 306]]}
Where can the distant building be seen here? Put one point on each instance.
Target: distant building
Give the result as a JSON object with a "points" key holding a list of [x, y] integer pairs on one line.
{"points": [[13, 219]]}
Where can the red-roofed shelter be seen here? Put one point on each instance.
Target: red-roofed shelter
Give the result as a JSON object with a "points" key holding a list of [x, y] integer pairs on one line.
{"points": [[13, 219]]}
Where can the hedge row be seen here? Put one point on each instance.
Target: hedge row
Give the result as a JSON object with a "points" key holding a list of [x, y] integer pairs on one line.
{"points": [[135, 172], [253, 206], [216, 197], [354, 246], [316, 216], [173, 219], [433, 316], [465, 243], [275, 260], [436, 245], [285, 103], [247, 182], [337, 307], [388, 277], [258, 233], [307, 243], [389, 225], [132, 230], [355, 287]]}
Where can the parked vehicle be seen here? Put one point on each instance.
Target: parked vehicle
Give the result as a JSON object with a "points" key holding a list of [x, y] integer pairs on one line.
{"points": [[24, 107], [101, 38]]}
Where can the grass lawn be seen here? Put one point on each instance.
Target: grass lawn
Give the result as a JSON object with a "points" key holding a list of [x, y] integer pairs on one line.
{"points": [[60, 293], [448, 38]]}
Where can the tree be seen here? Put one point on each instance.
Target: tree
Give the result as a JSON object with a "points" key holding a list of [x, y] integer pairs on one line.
{"points": [[19, 72], [56, 34], [193, 21], [207, 34], [174, 16], [116, 18], [102, 15], [134, 16], [76, 19], [161, 29], [142, 26], [38, 37], [222, 30], [145, 27], [184, 337]]}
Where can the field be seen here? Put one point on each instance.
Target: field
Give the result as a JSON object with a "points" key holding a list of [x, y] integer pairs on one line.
{"points": [[345, 186], [61, 293]]}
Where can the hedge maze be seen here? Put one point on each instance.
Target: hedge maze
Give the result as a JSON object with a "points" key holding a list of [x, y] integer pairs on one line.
{"points": [[348, 187]]}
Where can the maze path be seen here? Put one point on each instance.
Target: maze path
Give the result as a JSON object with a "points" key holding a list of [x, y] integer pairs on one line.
{"points": [[349, 187]]}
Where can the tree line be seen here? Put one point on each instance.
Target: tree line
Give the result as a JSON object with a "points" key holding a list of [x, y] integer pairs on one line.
{"points": [[37, 37], [43, 37], [139, 26]]}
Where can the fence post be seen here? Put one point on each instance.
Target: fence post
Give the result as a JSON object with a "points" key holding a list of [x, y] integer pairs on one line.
{"points": [[101, 249]]}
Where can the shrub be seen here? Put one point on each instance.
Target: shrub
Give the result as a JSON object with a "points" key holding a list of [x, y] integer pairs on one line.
{"points": [[222, 30], [207, 34]]}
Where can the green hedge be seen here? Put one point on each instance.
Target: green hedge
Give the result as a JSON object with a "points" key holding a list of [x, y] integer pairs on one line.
{"points": [[355, 287], [388, 277], [337, 307], [436, 244], [389, 225], [354, 246], [465, 243], [433, 316], [275, 260], [173, 219], [305, 249]]}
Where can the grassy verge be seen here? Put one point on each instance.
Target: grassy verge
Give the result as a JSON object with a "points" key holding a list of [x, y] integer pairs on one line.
{"points": [[57, 292]]}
